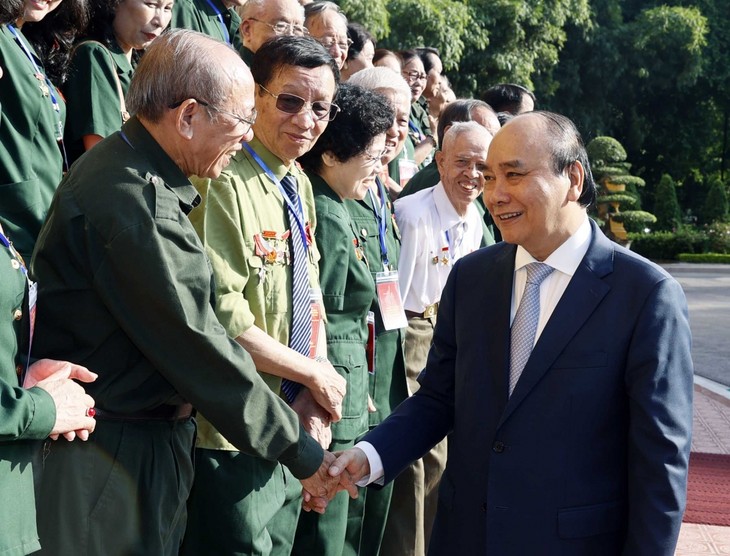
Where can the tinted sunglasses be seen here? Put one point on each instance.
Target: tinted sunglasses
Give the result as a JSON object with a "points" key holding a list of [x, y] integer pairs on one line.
{"points": [[292, 104]]}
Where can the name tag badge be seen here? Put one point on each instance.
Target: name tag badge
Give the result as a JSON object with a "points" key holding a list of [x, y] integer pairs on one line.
{"points": [[318, 343], [406, 170], [370, 347], [32, 300], [391, 304]]}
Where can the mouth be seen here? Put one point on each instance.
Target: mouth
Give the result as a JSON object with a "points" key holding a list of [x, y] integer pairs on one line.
{"points": [[149, 37], [507, 216], [468, 187], [299, 139]]}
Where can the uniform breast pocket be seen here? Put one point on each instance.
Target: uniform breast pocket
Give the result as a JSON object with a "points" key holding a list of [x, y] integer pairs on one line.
{"points": [[355, 372]]}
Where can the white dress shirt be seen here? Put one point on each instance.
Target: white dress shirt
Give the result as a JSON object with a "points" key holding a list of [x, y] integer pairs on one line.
{"points": [[565, 260], [433, 238]]}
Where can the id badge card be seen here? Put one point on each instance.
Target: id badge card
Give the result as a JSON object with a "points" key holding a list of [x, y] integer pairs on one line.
{"points": [[370, 347], [32, 301], [391, 304], [318, 343], [406, 170]]}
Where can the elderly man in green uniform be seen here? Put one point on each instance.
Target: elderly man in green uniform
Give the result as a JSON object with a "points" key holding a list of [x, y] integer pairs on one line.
{"points": [[462, 110], [215, 18], [374, 219], [262, 20], [255, 217], [126, 290]]}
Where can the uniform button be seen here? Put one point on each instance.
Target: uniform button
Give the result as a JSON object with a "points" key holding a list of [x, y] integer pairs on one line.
{"points": [[498, 447], [15, 264], [364, 232], [17, 314], [19, 369]]}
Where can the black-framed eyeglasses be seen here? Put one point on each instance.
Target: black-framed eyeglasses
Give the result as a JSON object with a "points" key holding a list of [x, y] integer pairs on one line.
{"points": [[247, 123], [292, 104], [414, 75], [284, 28], [329, 42]]}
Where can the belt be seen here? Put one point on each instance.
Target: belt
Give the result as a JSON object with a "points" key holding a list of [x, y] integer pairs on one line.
{"points": [[428, 312], [160, 413]]}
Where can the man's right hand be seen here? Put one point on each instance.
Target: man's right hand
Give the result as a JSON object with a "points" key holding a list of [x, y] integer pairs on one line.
{"points": [[70, 399]]}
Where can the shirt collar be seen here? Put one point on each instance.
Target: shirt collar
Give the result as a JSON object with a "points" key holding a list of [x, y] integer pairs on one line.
{"points": [[565, 258], [446, 211], [271, 160]]}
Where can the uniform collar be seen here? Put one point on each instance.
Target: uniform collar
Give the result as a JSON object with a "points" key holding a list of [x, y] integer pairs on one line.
{"points": [[271, 160], [142, 141], [447, 213]]}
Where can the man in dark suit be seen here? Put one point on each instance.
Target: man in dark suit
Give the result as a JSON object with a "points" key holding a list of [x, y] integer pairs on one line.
{"points": [[585, 451]]}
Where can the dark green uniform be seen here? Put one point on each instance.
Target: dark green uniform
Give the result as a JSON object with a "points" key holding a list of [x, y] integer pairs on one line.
{"points": [[394, 166], [388, 383], [347, 291], [419, 128], [92, 93], [202, 16], [126, 290], [24, 415], [31, 162], [428, 177]]}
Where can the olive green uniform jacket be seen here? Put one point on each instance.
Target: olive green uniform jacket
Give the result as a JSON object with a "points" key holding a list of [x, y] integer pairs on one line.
{"points": [[200, 16], [31, 163], [92, 93], [24, 415], [127, 291]]}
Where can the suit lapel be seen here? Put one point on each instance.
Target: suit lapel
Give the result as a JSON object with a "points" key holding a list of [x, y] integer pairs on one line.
{"points": [[584, 292]]}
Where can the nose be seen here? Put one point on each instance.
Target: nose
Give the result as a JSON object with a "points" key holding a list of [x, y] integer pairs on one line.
{"points": [[304, 118], [495, 192], [392, 131], [247, 136]]}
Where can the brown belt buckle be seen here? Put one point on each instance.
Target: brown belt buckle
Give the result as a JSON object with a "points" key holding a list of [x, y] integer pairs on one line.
{"points": [[430, 311]]}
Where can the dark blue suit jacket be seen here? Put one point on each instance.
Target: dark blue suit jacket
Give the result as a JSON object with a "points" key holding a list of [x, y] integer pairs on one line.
{"points": [[589, 456]]}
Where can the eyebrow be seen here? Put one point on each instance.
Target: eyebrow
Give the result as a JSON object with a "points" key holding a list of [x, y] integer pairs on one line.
{"points": [[508, 164]]}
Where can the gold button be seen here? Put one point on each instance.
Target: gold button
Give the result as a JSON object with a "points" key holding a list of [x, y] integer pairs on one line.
{"points": [[15, 264], [364, 232], [19, 369], [17, 314]]}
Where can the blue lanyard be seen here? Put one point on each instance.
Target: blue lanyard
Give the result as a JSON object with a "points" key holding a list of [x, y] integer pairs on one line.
{"points": [[220, 21], [382, 220], [40, 74], [414, 128], [296, 210], [6, 242]]}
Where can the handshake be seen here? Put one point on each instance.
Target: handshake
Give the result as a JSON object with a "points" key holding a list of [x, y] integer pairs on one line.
{"points": [[338, 471]]}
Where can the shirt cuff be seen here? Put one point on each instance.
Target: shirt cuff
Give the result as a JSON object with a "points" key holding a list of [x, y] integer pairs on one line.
{"points": [[376, 465]]}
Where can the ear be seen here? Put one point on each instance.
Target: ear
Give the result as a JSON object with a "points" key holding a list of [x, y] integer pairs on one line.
{"points": [[576, 174], [185, 116], [329, 159], [439, 158], [244, 30]]}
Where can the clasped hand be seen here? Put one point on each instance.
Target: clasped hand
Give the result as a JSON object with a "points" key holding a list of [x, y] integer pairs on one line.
{"points": [[338, 471]]}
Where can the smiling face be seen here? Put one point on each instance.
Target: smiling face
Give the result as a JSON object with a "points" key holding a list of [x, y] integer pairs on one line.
{"points": [[256, 27], [415, 76], [352, 179], [288, 136], [138, 22], [330, 29], [531, 204], [461, 165], [395, 136], [35, 10]]}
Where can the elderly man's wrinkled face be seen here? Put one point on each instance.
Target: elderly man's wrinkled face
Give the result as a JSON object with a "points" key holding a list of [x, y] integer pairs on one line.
{"points": [[290, 135], [274, 18], [461, 165], [218, 131], [330, 29], [395, 136]]}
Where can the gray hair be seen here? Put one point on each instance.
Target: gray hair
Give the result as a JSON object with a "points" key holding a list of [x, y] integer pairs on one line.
{"points": [[459, 128], [315, 8], [178, 65], [253, 7], [381, 79]]}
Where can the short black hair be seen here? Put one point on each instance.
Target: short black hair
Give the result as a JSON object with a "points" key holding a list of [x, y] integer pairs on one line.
{"points": [[287, 50], [460, 110], [506, 97], [11, 10], [566, 146], [363, 115], [425, 53], [359, 35]]}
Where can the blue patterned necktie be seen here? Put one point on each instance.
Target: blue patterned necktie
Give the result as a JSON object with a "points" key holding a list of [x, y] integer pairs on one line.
{"points": [[301, 318], [524, 326]]}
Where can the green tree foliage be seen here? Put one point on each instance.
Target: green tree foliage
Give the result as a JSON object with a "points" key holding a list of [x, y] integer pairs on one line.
{"points": [[716, 203], [666, 207]]}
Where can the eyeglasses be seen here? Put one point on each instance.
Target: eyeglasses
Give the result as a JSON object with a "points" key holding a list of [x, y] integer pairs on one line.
{"points": [[245, 122], [373, 160], [414, 75], [284, 28], [292, 104], [329, 42]]}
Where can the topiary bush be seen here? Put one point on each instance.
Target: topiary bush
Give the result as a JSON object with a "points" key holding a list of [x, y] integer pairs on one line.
{"points": [[666, 246]]}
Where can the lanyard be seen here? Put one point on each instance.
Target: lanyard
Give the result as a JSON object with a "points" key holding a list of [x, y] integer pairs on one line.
{"points": [[6, 242], [414, 129], [222, 23], [296, 210], [382, 220], [41, 75]]}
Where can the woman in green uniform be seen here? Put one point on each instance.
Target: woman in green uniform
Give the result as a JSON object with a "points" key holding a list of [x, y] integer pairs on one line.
{"points": [[33, 115], [102, 66], [343, 164]]}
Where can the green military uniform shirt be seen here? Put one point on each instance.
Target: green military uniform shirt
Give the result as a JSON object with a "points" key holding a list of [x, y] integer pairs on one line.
{"points": [[202, 16], [92, 92], [428, 177], [244, 227], [388, 382], [24, 415], [126, 290], [31, 163], [348, 291], [406, 153]]}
